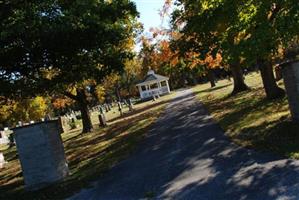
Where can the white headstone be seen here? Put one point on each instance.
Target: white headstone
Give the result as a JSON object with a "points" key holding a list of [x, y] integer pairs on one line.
{"points": [[2, 160], [49, 164]]}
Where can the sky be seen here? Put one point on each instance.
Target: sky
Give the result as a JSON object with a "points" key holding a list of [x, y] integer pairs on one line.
{"points": [[149, 13]]}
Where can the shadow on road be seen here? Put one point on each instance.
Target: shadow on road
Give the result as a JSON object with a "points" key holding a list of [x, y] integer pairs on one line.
{"points": [[187, 156]]}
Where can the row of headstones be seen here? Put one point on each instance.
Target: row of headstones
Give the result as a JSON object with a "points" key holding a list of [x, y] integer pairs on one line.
{"points": [[102, 117], [73, 115]]}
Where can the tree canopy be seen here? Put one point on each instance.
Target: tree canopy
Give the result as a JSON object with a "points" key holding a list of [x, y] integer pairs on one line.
{"points": [[62, 46], [244, 32]]}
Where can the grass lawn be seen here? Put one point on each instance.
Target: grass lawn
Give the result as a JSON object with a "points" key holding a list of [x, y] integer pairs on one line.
{"points": [[249, 119], [88, 155]]}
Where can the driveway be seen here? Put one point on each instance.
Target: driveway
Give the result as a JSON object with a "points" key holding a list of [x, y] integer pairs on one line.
{"points": [[187, 156]]}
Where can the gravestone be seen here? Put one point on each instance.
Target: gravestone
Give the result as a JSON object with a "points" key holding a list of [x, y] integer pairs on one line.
{"points": [[101, 110], [64, 124], [130, 105], [2, 134], [102, 120], [290, 72], [12, 141], [4, 137], [120, 108], [2, 160], [41, 154], [107, 108]]}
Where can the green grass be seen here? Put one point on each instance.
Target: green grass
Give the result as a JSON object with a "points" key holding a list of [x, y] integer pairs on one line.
{"points": [[249, 119], [89, 156]]}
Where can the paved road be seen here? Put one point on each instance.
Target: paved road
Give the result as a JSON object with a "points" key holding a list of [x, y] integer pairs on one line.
{"points": [[186, 156]]}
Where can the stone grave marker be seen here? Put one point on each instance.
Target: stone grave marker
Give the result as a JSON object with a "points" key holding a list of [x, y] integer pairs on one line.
{"points": [[107, 108], [120, 108], [290, 72], [102, 120], [4, 137], [101, 110], [2, 160], [41, 154], [64, 124], [130, 105]]}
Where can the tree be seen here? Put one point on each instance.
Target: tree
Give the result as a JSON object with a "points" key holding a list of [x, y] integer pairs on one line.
{"points": [[158, 54], [244, 31], [132, 73], [25, 110], [63, 46], [208, 28]]}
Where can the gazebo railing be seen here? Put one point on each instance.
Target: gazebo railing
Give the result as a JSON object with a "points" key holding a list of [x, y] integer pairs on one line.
{"points": [[156, 91]]}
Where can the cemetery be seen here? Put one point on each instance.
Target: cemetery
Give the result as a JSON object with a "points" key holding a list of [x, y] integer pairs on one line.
{"points": [[139, 99], [25, 166]]}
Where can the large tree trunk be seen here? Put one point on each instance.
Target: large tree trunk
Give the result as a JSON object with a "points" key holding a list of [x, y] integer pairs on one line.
{"points": [[83, 104], [211, 77], [239, 84], [117, 93], [271, 88]]}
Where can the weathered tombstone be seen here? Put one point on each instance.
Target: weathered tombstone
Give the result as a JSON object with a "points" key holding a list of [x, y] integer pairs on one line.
{"points": [[12, 141], [2, 160], [102, 120], [20, 123], [2, 134], [107, 108], [3, 137], [72, 124], [101, 110], [120, 108], [130, 105], [41, 153], [290, 72], [126, 102], [64, 124]]}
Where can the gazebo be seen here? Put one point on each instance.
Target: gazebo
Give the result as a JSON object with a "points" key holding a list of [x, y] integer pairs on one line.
{"points": [[153, 85]]}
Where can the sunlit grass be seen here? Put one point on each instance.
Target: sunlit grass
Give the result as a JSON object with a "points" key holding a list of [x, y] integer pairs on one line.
{"points": [[89, 155], [250, 119]]}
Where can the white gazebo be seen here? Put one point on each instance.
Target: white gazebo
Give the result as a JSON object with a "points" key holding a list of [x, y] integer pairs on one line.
{"points": [[153, 85]]}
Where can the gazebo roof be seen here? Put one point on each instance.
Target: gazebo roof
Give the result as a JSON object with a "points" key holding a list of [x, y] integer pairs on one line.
{"points": [[152, 78]]}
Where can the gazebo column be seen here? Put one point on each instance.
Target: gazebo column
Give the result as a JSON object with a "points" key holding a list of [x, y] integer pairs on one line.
{"points": [[159, 84], [168, 89], [159, 87], [147, 90], [140, 92]]}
